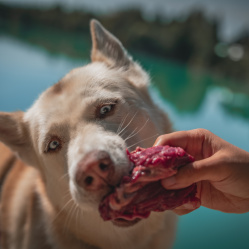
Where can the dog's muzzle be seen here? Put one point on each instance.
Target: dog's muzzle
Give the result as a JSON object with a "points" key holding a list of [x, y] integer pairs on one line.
{"points": [[95, 171]]}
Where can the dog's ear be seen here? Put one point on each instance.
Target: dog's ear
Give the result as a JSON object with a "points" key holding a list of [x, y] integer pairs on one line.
{"points": [[107, 48], [14, 132]]}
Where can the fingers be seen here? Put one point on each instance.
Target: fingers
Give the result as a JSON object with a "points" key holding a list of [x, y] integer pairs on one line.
{"points": [[179, 138], [197, 143], [192, 173], [185, 177], [189, 206], [186, 208]]}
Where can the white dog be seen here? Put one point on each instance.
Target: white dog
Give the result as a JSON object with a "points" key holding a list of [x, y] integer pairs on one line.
{"points": [[74, 138]]}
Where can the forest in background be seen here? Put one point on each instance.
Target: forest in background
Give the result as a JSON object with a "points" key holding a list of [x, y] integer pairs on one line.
{"points": [[192, 41]]}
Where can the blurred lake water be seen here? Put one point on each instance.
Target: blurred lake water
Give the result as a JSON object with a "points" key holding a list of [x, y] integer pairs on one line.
{"points": [[193, 99]]}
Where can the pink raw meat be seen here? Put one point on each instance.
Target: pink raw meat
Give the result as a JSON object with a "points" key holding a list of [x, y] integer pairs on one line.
{"points": [[141, 192]]}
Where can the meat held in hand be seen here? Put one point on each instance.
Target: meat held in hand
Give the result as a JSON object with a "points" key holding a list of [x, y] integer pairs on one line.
{"points": [[141, 191]]}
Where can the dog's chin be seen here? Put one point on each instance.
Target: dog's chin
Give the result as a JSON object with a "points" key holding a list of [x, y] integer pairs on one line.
{"points": [[125, 223]]}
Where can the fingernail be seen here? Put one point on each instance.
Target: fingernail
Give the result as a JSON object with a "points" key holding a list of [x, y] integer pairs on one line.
{"points": [[168, 182]]}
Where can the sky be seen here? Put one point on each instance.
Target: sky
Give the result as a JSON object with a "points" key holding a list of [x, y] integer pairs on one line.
{"points": [[233, 14]]}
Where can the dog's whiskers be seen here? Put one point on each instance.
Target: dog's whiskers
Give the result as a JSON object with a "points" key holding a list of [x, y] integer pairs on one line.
{"points": [[79, 215], [134, 133], [67, 194], [122, 123], [64, 176], [70, 216], [143, 140], [128, 123], [131, 134], [124, 133], [62, 210]]}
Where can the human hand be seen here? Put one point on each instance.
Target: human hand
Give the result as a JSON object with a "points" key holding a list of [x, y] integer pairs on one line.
{"points": [[221, 170]]}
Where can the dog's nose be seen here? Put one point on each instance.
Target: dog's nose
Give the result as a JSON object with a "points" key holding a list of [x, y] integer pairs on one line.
{"points": [[95, 170]]}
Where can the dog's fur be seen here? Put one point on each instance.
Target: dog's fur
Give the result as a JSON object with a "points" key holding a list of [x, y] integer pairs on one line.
{"points": [[42, 206]]}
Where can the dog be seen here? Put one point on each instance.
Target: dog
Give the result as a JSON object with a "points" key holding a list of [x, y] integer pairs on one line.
{"points": [[68, 151]]}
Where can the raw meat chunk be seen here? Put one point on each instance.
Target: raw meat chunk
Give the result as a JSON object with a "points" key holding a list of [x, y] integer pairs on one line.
{"points": [[141, 191]]}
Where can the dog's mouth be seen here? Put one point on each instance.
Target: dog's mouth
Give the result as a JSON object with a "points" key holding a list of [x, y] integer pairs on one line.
{"points": [[120, 222], [124, 221]]}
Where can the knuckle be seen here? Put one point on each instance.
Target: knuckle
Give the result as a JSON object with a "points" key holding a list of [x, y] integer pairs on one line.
{"points": [[200, 132], [161, 137], [190, 173], [160, 140], [186, 173]]}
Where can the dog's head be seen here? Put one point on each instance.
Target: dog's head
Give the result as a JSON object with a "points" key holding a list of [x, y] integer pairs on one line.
{"points": [[78, 130]]}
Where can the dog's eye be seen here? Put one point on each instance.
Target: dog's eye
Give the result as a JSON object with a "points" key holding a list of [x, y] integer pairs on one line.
{"points": [[105, 109], [53, 145]]}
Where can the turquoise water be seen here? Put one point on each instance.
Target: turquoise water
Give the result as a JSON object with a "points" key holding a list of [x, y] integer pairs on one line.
{"points": [[192, 99]]}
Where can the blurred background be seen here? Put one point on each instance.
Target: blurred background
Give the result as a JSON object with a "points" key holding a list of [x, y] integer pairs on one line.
{"points": [[196, 51]]}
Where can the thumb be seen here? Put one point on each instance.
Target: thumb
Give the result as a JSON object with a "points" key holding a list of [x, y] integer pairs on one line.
{"points": [[192, 173]]}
